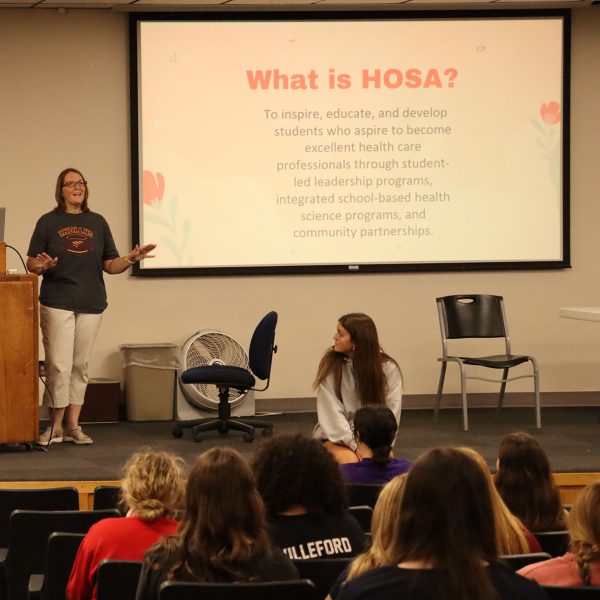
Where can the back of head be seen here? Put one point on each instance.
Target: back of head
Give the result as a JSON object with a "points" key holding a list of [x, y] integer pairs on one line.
{"points": [[524, 480], [447, 522], [510, 538], [223, 529], [153, 484], [384, 529], [375, 426], [584, 530], [294, 470]]}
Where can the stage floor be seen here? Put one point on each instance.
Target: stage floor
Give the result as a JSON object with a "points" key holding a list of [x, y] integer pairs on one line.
{"points": [[570, 436]]}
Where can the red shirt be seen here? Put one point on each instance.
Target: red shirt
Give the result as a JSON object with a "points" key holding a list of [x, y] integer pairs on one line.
{"points": [[561, 570], [122, 538]]}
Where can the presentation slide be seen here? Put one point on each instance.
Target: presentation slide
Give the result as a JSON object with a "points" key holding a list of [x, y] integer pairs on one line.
{"points": [[291, 145]]}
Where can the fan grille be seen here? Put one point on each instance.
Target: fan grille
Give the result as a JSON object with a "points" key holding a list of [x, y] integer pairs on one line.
{"points": [[207, 348]]}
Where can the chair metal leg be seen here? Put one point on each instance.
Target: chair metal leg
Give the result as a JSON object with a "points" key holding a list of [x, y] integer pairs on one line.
{"points": [[438, 400], [502, 388], [463, 389], [536, 387]]}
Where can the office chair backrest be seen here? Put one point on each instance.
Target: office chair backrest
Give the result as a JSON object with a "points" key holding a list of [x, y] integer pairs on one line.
{"points": [[60, 556], [65, 498], [472, 316], [300, 589], [117, 579], [262, 346], [28, 538], [517, 561]]}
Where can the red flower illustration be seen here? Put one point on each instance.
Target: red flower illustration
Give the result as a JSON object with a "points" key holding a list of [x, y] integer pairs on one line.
{"points": [[154, 187], [550, 113]]}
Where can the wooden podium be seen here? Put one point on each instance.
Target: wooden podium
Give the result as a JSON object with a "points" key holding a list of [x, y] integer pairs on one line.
{"points": [[18, 357]]}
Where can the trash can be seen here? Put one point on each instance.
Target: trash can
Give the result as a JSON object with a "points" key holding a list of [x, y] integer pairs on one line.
{"points": [[149, 376]]}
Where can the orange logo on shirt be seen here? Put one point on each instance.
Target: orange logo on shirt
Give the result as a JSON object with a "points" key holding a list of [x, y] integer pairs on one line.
{"points": [[76, 239]]}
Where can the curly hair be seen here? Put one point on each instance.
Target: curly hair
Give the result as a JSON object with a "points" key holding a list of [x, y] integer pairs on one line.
{"points": [[583, 523], [153, 484], [367, 360], [524, 480], [222, 536], [296, 470]]}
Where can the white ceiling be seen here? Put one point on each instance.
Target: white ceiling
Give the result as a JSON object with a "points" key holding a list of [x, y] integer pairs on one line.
{"points": [[174, 5]]}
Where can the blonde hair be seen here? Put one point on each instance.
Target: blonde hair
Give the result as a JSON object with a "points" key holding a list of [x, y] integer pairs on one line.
{"points": [[153, 484], [510, 536], [583, 523], [384, 529]]}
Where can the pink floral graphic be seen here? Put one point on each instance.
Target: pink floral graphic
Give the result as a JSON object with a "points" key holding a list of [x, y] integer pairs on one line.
{"points": [[154, 187], [550, 113]]}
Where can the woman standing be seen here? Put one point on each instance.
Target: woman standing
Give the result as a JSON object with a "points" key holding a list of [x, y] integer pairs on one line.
{"points": [[71, 247], [353, 373]]}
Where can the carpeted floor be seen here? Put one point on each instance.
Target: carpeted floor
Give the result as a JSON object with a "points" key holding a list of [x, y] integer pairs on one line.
{"points": [[570, 436]]}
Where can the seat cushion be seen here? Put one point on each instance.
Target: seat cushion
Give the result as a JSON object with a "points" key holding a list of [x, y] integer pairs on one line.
{"points": [[220, 375], [498, 361]]}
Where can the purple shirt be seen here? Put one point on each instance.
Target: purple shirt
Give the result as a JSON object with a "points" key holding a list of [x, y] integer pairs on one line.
{"points": [[367, 472]]}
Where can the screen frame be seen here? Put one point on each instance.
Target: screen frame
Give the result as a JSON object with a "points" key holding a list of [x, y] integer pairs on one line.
{"points": [[296, 14]]}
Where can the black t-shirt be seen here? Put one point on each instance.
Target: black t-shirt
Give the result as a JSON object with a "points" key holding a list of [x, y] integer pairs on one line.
{"points": [[81, 242], [303, 537], [273, 567], [393, 583]]}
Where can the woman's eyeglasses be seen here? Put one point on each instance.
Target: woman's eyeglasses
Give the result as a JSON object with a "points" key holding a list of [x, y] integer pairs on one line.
{"points": [[72, 184]]}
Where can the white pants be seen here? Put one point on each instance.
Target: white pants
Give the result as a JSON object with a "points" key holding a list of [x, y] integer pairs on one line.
{"points": [[68, 338]]}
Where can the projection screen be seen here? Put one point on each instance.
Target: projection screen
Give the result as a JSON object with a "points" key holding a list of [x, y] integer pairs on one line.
{"points": [[310, 142]]}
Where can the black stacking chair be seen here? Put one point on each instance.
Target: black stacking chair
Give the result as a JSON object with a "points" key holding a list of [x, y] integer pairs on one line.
{"points": [[117, 579], [364, 516], [60, 556], [479, 316], [107, 496], [518, 561], [580, 592], [29, 531], [300, 589], [64, 498], [555, 543], [262, 348], [323, 572], [364, 494]]}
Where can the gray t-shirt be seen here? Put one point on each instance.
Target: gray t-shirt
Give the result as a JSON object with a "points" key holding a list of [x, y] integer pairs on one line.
{"points": [[82, 242]]}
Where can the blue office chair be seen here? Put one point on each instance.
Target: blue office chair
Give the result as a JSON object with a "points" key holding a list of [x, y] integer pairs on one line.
{"points": [[260, 355]]}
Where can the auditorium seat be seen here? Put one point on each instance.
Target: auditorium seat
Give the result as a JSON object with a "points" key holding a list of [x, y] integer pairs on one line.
{"points": [[323, 572], [60, 556], [117, 579], [29, 531], [362, 494], [579, 592], [555, 543], [107, 496], [364, 516], [518, 561]]}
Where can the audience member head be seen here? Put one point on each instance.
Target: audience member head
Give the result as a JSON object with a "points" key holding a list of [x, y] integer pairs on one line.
{"points": [[510, 538], [294, 471], [375, 426], [357, 338], [584, 530], [524, 480], [447, 523], [222, 534], [384, 529], [153, 485]]}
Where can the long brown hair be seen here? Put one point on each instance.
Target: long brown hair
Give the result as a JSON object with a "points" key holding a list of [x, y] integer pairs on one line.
{"points": [[61, 206], [524, 480], [447, 522], [510, 536], [222, 535], [367, 360], [584, 530]]}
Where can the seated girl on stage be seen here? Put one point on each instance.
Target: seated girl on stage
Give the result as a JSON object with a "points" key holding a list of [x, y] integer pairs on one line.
{"points": [[353, 373]]}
